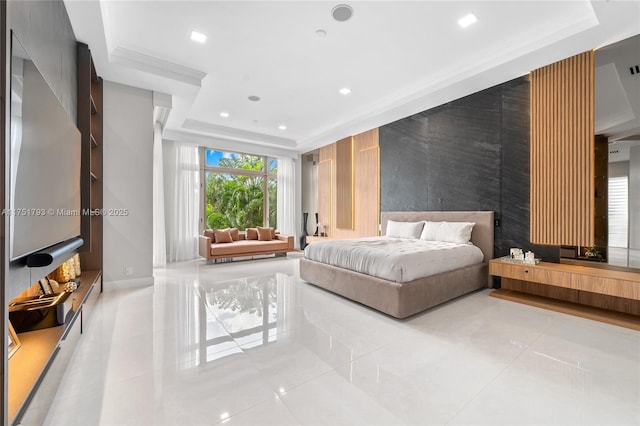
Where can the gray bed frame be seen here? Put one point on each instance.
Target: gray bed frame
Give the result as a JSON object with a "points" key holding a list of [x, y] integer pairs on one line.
{"points": [[401, 300]]}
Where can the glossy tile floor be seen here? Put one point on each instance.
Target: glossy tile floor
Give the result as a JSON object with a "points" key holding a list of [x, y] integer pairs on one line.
{"points": [[250, 343]]}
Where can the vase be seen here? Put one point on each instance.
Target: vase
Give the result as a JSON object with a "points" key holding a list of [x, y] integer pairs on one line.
{"points": [[303, 237], [315, 234]]}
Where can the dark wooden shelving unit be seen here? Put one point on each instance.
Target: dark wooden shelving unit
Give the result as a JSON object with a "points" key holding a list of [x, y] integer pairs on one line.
{"points": [[90, 126]]}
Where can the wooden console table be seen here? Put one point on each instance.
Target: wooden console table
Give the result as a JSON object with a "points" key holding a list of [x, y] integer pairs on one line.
{"points": [[605, 295]]}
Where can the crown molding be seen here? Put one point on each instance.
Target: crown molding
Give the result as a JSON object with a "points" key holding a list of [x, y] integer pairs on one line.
{"points": [[131, 58], [238, 134]]}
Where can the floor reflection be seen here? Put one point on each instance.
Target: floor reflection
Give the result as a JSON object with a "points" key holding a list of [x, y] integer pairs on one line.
{"points": [[235, 314], [247, 309]]}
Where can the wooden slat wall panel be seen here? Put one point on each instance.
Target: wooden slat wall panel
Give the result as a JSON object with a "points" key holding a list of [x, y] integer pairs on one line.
{"points": [[344, 183], [366, 187], [326, 156], [562, 152]]}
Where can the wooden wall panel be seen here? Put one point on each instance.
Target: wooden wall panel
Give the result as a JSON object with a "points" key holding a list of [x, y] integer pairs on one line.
{"points": [[326, 156], [562, 152], [344, 183], [365, 187]]}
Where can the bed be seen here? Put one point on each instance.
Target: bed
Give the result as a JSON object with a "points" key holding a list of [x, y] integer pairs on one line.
{"points": [[403, 299]]}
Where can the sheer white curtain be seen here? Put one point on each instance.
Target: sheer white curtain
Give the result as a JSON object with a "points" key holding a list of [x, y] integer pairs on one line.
{"points": [[182, 200], [159, 234], [286, 196]]}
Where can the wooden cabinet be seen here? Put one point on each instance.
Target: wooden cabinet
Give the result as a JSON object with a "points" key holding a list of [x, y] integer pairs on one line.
{"points": [[44, 356], [90, 126], [602, 289]]}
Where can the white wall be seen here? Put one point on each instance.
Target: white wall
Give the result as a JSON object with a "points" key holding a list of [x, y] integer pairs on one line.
{"points": [[634, 198], [128, 177]]}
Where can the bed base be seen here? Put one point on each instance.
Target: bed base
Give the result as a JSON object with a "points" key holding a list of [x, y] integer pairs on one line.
{"points": [[400, 300]]}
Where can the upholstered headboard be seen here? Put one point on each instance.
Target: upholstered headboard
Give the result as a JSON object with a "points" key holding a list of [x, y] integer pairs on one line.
{"points": [[482, 235]]}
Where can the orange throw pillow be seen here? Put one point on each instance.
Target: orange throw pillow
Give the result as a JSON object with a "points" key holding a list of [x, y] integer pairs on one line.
{"points": [[210, 233], [251, 233], [235, 234], [264, 234], [223, 236]]}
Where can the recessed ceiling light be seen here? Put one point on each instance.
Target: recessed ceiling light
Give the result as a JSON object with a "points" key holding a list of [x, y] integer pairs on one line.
{"points": [[321, 33], [345, 91], [199, 37], [342, 12], [224, 114], [467, 20], [254, 98], [282, 127]]}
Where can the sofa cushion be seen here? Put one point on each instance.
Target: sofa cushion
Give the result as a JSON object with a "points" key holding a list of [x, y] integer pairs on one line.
{"points": [[251, 233], [209, 233], [264, 234], [223, 236], [247, 248], [235, 234], [273, 233]]}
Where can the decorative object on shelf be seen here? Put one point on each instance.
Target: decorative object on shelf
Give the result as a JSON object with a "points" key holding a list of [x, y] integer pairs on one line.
{"points": [[45, 286], [315, 234], [512, 260], [593, 253], [321, 228], [76, 264], [13, 341], [61, 273], [516, 253], [303, 237], [530, 257]]}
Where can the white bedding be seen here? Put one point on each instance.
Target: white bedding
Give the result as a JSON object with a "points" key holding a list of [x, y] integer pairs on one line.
{"points": [[394, 259]]}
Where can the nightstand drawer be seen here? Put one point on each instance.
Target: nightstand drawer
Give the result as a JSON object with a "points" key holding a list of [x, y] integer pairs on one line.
{"points": [[511, 270], [552, 277]]}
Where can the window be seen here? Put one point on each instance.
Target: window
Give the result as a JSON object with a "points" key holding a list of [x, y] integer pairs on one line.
{"points": [[240, 191], [619, 211]]}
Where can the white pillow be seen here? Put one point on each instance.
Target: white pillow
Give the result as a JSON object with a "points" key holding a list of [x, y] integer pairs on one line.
{"points": [[452, 232], [404, 229]]}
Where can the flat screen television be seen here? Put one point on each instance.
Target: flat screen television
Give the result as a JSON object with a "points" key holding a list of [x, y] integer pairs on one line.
{"points": [[44, 202]]}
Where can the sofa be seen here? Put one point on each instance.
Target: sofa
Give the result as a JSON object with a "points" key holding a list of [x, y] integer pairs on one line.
{"points": [[229, 243]]}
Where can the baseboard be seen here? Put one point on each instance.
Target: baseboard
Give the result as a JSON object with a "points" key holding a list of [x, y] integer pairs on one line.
{"points": [[127, 284]]}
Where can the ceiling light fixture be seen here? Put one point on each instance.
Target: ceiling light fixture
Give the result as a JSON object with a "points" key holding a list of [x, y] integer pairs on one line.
{"points": [[467, 20], [224, 114], [345, 91], [199, 37], [282, 127], [342, 12], [321, 33], [253, 98]]}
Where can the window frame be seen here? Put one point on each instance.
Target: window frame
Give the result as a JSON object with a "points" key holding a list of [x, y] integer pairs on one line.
{"points": [[266, 175]]}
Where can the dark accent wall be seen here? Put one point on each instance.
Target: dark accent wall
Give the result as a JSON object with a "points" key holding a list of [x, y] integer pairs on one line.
{"points": [[469, 154]]}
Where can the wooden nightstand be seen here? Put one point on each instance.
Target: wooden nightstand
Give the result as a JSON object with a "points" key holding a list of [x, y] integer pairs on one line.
{"points": [[603, 295]]}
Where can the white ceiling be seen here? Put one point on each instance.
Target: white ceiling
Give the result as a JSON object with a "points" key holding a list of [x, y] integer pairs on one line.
{"points": [[398, 58]]}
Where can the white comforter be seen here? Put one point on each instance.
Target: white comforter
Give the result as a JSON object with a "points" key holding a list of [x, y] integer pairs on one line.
{"points": [[394, 259]]}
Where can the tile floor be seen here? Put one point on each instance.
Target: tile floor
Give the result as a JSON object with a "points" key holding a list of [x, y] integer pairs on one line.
{"points": [[249, 343]]}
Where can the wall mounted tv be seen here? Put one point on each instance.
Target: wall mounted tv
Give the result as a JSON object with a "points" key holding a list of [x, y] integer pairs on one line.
{"points": [[44, 202]]}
